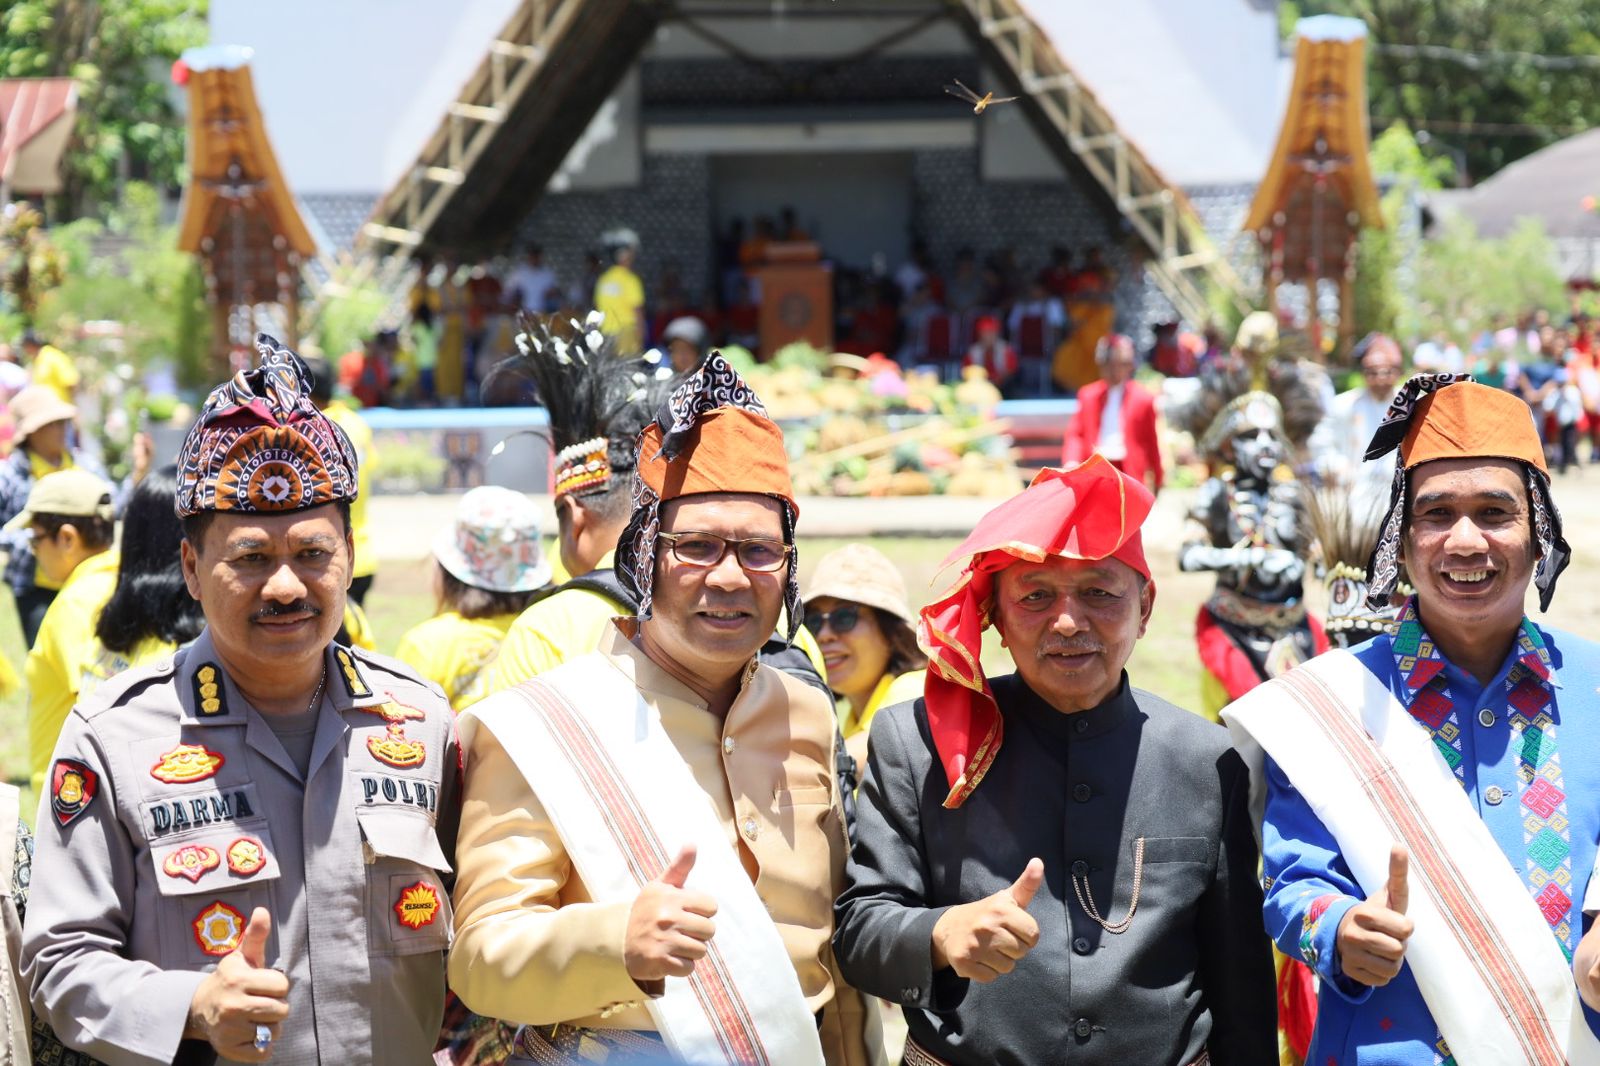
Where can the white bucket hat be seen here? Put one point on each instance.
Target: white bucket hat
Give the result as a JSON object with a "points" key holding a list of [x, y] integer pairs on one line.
{"points": [[495, 542]]}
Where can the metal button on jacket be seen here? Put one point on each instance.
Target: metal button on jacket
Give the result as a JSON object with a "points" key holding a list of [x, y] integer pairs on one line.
{"points": [[1494, 795], [1081, 945], [727, 745], [1081, 793], [1081, 725], [1082, 1027], [750, 828], [1486, 717], [1080, 868]]}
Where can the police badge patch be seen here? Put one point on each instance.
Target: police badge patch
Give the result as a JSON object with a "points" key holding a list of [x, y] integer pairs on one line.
{"points": [[187, 763], [72, 788], [246, 856], [191, 861], [417, 906], [218, 929]]}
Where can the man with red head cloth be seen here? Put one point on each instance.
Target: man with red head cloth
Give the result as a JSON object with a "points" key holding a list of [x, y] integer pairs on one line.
{"points": [[652, 833], [1053, 865]]}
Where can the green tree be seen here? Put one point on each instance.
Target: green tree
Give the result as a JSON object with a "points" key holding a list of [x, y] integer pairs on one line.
{"points": [[1491, 100], [1381, 302], [1466, 282], [130, 271], [121, 53]]}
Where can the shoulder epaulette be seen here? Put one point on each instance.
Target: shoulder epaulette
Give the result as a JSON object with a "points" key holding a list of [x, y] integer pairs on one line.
{"points": [[390, 666]]}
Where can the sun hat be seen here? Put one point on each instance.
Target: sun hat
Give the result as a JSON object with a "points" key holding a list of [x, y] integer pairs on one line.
{"points": [[494, 542], [861, 574], [74, 493], [38, 406]]}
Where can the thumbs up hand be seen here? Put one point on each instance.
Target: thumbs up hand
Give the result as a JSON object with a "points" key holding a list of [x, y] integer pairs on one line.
{"points": [[1372, 935], [240, 994], [668, 926], [982, 940]]}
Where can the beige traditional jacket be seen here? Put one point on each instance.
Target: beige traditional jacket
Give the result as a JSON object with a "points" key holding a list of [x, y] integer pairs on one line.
{"points": [[532, 948]]}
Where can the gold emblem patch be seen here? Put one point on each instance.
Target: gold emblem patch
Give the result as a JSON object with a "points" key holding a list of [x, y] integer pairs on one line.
{"points": [[208, 692], [245, 856], [417, 906], [191, 861], [396, 749], [352, 677], [187, 763], [219, 929]]}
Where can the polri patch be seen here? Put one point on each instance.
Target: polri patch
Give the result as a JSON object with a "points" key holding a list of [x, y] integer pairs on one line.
{"points": [[352, 677], [397, 749], [72, 788], [218, 929], [187, 763], [246, 856], [417, 906], [192, 861], [208, 701]]}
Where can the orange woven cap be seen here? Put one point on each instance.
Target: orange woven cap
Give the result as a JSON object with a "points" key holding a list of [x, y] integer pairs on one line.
{"points": [[730, 449], [1472, 421]]}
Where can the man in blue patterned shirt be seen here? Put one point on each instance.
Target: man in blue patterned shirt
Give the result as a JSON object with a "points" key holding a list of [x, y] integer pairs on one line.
{"points": [[1432, 797]]}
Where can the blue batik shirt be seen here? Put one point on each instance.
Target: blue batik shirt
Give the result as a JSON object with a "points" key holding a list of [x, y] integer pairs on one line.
{"points": [[1525, 748]]}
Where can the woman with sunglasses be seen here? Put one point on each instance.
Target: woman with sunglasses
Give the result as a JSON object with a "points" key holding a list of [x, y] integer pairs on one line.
{"points": [[856, 608]]}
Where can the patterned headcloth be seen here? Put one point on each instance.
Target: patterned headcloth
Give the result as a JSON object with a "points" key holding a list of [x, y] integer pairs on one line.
{"points": [[1090, 511], [711, 435], [261, 445], [1451, 416]]}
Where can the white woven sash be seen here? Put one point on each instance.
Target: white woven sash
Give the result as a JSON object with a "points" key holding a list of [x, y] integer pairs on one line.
{"points": [[1494, 978], [624, 802]]}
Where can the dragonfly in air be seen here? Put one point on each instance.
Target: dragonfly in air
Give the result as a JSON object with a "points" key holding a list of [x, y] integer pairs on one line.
{"points": [[979, 103]]}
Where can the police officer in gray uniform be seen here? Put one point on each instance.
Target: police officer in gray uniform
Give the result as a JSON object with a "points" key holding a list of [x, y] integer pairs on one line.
{"points": [[244, 846]]}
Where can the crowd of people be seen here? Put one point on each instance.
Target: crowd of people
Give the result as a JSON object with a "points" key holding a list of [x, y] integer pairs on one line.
{"points": [[1033, 331], [642, 797]]}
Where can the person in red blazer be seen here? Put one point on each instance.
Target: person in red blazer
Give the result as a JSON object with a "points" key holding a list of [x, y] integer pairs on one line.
{"points": [[1128, 436]]}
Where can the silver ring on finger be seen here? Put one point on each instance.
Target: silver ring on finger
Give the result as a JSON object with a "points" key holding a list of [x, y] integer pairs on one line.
{"points": [[263, 1038]]}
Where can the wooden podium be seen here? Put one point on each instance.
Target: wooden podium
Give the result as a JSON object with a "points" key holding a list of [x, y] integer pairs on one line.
{"points": [[796, 297]]}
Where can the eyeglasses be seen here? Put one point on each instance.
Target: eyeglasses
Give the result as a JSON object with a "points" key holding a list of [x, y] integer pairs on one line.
{"points": [[758, 555], [1380, 371], [842, 619]]}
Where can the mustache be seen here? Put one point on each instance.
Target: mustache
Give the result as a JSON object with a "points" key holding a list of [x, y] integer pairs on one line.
{"points": [[1077, 647], [280, 610]]}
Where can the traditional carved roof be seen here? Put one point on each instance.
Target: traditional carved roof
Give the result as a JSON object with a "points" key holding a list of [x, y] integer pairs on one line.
{"points": [[231, 163], [1319, 192]]}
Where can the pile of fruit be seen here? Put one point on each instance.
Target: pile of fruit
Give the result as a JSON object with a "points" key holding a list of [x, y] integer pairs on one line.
{"points": [[863, 427]]}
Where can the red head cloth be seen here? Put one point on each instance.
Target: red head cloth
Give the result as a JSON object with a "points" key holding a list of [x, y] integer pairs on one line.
{"points": [[1090, 511]]}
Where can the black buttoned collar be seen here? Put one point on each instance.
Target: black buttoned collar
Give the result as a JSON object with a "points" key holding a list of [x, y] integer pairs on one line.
{"points": [[1013, 694]]}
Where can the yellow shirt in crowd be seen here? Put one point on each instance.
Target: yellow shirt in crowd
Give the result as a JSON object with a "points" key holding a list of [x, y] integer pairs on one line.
{"points": [[550, 632], [103, 664], [619, 295], [54, 368], [355, 427], [63, 650], [890, 691], [455, 653]]}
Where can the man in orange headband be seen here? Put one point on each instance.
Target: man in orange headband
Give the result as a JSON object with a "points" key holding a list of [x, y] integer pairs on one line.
{"points": [[652, 834], [1431, 797], [1052, 863]]}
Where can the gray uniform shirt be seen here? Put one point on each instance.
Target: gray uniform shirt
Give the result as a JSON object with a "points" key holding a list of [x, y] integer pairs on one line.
{"points": [[1192, 972], [173, 810]]}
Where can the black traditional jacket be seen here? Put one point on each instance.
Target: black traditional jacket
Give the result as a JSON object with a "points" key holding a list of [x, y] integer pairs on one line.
{"points": [[1193, 970]]}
